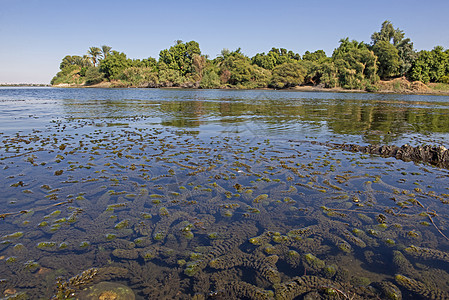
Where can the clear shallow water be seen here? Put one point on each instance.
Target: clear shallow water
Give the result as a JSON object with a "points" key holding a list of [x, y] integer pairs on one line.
{"points": [[220, 194]]}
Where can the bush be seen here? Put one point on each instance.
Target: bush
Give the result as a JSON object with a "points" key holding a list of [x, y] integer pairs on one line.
{"points": [[93, 76], [210, 80], [287, 75], [444, 79], [69, 75], [139, 77]]}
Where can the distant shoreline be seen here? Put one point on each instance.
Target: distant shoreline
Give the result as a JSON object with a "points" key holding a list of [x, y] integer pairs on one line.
{"points": [[398, 86], [25, 85]]}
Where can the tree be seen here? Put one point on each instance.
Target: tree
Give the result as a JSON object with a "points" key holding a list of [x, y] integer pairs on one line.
{"points": [[236, 69], [288, 74], [180, 56], [274, 57], [93, 75], [105, 51], [388, 34], [431, 66], [168, 76], [356, 65], [388, 59], [75, 60], [210, 79], [199, 63], [139, 77], [396, 37], [318, 56], [94, 53], [114, 64]]}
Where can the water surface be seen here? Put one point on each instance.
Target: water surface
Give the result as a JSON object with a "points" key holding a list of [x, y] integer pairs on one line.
{"points": [[220, 194]]}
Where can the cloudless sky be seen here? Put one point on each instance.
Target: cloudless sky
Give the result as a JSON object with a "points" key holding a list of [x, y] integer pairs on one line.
{"points": [[36, 34]]}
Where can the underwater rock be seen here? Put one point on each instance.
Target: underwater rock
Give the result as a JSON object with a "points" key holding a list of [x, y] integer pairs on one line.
{"points": [[126, 254], [107, 291], [434, 155]]}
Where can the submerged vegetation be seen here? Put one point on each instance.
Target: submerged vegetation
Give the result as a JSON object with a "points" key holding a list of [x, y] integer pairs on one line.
{"points": [[352, 65]]}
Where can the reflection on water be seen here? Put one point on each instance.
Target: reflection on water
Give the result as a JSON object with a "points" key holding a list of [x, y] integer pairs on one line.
{"points": [[181, 194]]}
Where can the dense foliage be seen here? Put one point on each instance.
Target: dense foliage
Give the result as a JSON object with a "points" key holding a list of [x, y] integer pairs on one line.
{"points": [[353, 65]]}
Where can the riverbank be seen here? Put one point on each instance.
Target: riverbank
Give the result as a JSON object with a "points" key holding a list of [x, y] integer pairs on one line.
{"points": [[393, 86]]}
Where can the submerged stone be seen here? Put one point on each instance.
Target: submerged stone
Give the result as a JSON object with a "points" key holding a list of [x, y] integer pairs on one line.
{"points": [[107, 291]]}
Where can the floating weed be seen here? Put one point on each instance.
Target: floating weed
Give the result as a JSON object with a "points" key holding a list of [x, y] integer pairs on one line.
{"points": [[156, 196], [31, 265], [260, 197], [390, 242], [148, 256], [45, 245], [213, 235], [11, 259], [122, 224], [85, 244], [43, 224], [19, 248], [163, 212], [62, 220], [55, 227], [146, 216], [413, 234], [14, 235], [158, 236], [110, 236]]}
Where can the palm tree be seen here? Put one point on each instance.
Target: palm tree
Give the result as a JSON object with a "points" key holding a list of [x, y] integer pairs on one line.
{"points": [[105, 51], [86, 61], [94, 53]]}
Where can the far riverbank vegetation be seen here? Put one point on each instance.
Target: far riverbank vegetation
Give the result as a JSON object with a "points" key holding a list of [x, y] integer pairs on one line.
{"points": [[388, 62]]}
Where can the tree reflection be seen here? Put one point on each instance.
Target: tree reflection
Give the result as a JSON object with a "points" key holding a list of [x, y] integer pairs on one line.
{"points": [[374, 121]]}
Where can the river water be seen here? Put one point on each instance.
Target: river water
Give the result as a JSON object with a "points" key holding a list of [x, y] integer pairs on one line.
{"points": [[220, 194]]}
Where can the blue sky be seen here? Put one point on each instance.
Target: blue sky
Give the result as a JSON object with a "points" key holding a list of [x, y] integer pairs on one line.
{"points": [[36, 34]]}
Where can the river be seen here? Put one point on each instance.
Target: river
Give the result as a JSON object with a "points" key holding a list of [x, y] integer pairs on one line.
{"points": [[220, 194]]}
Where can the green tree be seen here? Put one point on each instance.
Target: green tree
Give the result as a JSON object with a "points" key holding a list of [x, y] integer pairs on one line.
{"points": [[199, 63], [75, 60], [94, 53], [327, 73], [139, 77], [114, 64], [93, 75], [288, 74], [318, 56], [210, 79], [396, 37], [180, 56], [274, 57], [105, 51], [388, 59], [430, 66], [356, 64], [168, 76], [236, 69]]}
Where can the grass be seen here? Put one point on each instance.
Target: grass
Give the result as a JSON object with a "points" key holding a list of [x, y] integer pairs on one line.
{"points": [[439, 86]]}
